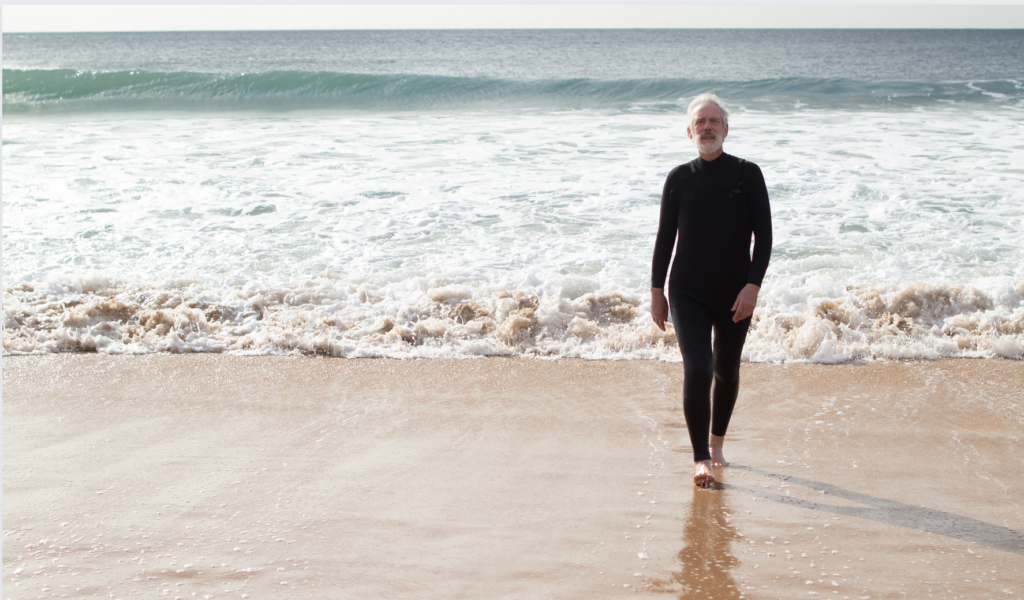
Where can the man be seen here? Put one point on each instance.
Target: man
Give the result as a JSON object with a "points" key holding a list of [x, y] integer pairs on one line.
{"points": [[709, 209]]}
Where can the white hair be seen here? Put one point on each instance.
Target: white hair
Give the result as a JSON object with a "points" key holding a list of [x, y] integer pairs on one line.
{"points": [[701, 100]]}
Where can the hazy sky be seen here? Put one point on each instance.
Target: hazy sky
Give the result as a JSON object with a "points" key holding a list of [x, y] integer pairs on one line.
{"points": [[405, 14]]}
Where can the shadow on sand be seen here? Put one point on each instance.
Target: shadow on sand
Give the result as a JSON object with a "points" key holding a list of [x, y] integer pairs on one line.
{"points": [[892, 513]]}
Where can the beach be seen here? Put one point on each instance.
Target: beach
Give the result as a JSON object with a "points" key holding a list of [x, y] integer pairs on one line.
{"points": [[219, 476], [356, 314]]}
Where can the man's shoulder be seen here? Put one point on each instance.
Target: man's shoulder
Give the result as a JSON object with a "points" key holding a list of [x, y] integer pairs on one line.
{"points": [[745, 164], [684, 169]]}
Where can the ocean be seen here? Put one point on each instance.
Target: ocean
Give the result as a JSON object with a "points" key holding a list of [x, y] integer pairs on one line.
{"points": [[450, 194]]}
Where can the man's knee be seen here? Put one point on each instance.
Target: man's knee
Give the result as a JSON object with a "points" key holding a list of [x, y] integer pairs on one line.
{"points": [[729, 374], [698, 370]]}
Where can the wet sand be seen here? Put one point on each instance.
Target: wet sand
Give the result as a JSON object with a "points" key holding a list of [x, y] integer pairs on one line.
{"points": [[187, 476]]}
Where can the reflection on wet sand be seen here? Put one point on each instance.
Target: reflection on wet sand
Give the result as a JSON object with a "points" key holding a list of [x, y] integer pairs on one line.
{"points": [[706, 561]]}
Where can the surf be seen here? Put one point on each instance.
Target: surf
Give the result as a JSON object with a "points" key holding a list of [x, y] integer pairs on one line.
{"points": [[68, 91]]}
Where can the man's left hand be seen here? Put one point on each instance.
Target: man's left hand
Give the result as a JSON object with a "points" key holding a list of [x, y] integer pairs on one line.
{"points": [[745, 302]]}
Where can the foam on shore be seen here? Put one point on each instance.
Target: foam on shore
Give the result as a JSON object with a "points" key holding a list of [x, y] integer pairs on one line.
{"points": [[324, 316]]}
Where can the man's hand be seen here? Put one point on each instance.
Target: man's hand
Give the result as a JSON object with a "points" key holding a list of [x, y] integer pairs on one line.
{"points": [[659, 307], [744, 305]]}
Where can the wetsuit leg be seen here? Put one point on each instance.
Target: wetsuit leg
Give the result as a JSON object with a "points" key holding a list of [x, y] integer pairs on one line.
{"points": [[728, 349], [704, 364], [693, 323]]}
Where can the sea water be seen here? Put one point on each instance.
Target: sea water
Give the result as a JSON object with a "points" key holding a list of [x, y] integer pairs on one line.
{"points": [[477, 193]]}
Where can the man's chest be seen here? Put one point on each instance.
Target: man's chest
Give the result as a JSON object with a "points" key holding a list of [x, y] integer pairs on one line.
{"points": [[721, 197]]}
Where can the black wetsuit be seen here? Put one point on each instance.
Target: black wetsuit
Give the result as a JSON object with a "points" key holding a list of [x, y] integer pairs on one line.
{"points": [[714, 206]]}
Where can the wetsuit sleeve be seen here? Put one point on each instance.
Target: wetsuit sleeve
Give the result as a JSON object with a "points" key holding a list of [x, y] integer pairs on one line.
{"points": [[668, 224], [761, 217]]}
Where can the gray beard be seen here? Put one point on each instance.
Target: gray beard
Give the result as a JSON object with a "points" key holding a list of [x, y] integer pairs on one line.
{"points": [[708, 147]]}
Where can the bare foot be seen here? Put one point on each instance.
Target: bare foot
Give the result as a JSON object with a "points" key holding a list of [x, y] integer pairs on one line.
{"points": [[715, 443], [703, 476]]}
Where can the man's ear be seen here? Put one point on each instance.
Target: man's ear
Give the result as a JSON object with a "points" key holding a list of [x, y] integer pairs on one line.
{"points": [[689, 133]]}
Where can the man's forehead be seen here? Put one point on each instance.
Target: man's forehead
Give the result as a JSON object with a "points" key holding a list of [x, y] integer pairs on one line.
{"points": [[707, 110]]}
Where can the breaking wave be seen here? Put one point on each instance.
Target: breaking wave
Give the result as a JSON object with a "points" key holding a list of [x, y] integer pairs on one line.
{"points": [[50, 91], [328, 317]]}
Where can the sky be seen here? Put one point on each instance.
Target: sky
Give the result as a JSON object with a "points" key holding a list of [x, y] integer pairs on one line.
{"points": [[408, 14]]}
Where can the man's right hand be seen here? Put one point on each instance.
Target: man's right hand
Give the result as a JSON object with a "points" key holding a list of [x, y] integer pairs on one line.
{"points": [[659, 307]]}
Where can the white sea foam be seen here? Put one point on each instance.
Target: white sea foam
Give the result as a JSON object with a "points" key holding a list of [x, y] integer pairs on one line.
{"points": [[330, 317], [499, 233]]}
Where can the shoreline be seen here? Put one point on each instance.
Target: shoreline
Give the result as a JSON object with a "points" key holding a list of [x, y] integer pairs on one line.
{"points": [[505, 478], [325, 316], [857, 362]]}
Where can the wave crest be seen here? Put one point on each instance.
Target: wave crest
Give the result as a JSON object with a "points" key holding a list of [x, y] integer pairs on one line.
{"points": [[45, 91]]}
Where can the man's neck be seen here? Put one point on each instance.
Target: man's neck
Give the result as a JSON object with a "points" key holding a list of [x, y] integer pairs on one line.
{"points": [[712, 156]]}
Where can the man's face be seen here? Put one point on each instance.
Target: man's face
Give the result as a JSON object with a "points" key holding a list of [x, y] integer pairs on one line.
{"points": [[707, 129]]}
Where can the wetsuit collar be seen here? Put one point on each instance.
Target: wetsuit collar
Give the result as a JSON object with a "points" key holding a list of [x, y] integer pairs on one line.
{"points": [[711, 165]]}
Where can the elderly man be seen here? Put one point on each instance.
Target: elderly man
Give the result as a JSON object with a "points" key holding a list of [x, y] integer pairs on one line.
{"points": [[709, 208]]}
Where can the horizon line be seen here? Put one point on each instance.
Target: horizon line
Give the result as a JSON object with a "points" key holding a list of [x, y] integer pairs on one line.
{"points": [[194, 18]]}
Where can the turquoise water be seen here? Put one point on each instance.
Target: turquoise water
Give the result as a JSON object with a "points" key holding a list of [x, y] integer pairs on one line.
{"points": [[381, 70]]}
